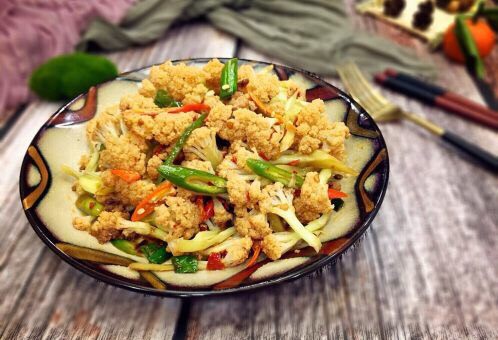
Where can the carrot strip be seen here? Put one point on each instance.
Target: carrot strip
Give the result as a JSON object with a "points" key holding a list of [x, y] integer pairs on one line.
{"points": [[189, 107], [147, 205], [126, 175], [336, 194], [260, 104], [256, 248]]}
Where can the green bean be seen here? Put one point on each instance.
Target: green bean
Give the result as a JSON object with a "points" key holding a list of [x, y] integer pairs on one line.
{"points": [[183, 139], [228, 81], [89, 205], [276, 174]]}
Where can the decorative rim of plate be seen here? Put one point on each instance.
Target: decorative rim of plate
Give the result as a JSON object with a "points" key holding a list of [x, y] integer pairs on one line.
{"points": [[306, 269]]}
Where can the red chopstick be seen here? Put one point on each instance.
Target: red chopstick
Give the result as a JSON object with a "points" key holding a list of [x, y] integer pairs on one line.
{"points": [[435, 95]]}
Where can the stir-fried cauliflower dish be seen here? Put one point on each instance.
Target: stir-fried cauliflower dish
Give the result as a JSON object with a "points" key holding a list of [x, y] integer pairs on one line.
{"points": [[206, 168]]}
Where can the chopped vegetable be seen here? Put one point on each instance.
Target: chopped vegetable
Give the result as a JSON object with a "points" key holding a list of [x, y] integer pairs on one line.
{"points": [[90, 182], [126, 175], [147, 205], [198, 181], [338, 203], [214, 261], [190, 107], [163, 99], [277, 244], [125, 246], [202, 143], [228, 80], [89, 205], [185, 264], [155, 253], [114, 221], [165, 267], [279, 202], [256, 248], [201, 241], [87, 254], [318, 159], [336, 194], [206, 210], [274, 173], [183, 139], [275, 223]]}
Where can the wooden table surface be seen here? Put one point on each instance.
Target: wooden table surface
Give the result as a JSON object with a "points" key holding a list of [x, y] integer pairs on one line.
{"points": [[427, 269]]}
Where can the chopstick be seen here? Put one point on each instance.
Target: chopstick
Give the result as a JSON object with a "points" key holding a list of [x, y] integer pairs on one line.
{"points": [[437, 96]]}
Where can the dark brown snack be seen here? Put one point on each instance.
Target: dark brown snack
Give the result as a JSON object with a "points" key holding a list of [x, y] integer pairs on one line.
{"points": [[423, 18], [394, 8]]}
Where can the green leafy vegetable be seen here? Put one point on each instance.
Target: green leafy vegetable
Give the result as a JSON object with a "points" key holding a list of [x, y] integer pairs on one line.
{"points": [[185, 264], [155, 253], [66, 76], [163, 99]]}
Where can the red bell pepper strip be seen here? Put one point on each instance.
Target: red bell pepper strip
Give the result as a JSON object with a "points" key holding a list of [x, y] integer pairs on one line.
{"points": [[336, 194], [189, 107], [126, 175], [147, 205], [206, 210], [214, 261]]}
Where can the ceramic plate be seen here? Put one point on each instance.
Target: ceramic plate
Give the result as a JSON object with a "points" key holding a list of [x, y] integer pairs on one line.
{"points": [[48, 200]]}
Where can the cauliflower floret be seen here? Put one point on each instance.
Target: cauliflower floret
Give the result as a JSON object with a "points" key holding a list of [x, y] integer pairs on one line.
{"points": [[148, 89], [152, 165], [202, 145], [213, 70], [122, 153], [168, 127], [259, 132], [221, 216], [196, 96], [313, 200], [218, 118], [242, 192], [198, 165], [106, 226], [142, 125], [123, 192], [245, 72], [236, 160], [315, 131], [137, 102], [252, 223], [179, 80], [235, 250], [241, 100], [264, 86], [178, 217], [82, 222]]}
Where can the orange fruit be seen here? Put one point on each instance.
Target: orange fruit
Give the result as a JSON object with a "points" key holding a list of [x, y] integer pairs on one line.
{"points": [[483, 36]]}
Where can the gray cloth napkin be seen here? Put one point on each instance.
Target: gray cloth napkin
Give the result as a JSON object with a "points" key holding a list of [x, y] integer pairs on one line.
{"points": [[314, 35]]}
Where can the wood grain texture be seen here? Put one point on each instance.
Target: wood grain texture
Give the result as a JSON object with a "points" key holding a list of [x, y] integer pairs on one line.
{"points": [[425, 270]]}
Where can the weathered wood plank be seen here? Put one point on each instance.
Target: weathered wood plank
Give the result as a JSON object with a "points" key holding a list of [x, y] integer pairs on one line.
{"points": [[425, 270], [42, 297]]}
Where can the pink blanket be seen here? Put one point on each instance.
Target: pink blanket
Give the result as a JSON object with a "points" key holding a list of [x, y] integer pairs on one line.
{"points": [[32, 31]]}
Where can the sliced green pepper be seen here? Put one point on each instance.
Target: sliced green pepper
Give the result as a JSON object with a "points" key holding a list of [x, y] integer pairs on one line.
{"points": [[185, 264], [194, 180], [163, 99], [276, 174], [155, 253], [125, 246], [228, 81], [183, 139], [89, 205]]}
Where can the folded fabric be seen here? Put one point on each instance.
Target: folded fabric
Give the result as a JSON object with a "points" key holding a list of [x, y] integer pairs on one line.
{"points": [[313, 34], [33, 31]]}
